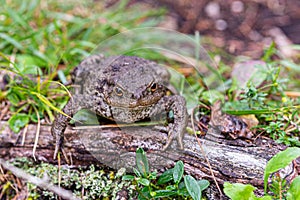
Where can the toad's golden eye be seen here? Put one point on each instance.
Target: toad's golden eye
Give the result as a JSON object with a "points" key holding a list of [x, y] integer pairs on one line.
{"points": [[153, 87], [118, 91]]}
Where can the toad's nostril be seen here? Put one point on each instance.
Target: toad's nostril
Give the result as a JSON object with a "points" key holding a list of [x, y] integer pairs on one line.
{"points": [[136, 96]]}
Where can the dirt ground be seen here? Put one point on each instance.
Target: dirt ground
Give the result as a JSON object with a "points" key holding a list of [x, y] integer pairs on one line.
{"points": [[241, 27]]}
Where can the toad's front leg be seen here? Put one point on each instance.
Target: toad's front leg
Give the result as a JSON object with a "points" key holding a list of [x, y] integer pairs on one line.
{"points": [[61, 121], [176, 129]]}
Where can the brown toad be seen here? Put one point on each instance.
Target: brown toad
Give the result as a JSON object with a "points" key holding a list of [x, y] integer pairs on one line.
{"points": [[123, 89]]}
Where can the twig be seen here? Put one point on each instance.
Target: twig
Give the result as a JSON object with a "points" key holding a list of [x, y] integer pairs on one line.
{"points": [[292, 94], [295, 124], [24, 134], [37, 133], [65, 194], [204, 154]]}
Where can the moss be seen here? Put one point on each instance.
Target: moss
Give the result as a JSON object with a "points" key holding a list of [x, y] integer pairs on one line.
{"points": [[90, 182]]}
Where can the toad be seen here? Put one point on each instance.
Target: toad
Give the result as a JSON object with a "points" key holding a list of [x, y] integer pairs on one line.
{"points": [[123, 89]]}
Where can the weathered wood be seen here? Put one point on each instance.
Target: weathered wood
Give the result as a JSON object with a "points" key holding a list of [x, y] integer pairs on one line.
{"points": [[116, 148]]}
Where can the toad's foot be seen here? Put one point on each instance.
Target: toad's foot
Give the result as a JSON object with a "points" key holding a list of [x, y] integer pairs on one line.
{"points": [[59, 125], [59, 140], [176, 129]]}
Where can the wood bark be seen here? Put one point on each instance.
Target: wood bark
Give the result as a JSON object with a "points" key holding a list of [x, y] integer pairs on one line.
{"points": [[116, 148]]}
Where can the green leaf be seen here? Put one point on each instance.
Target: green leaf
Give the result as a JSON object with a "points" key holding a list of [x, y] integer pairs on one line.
{"points": [[137, 173], [144, 194], [182, 190], [294, 191], [18, 18], [13, 97], [203, 184], [142, 162], [178, 171], [85, 117], [179, 81], [263, 198], [290, 65], [143, 181], [269, 52], [165, 177], [212, 95], [153, 175], [163, 193], [18, 121], [279, 161], [29, 60], [48, 103], [32, 69], [62, 77], [238, 191], [192, 187], [34, 117], [11, 40], [171, 187], [127, 178]]}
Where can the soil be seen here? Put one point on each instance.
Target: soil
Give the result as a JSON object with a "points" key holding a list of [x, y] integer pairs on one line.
{"points": [[241, 27]]}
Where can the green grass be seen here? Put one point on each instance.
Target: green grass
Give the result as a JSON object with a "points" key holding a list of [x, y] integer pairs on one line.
{"points": [[43, 40]]}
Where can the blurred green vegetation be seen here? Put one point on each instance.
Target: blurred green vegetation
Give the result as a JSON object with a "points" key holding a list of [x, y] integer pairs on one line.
{"points": [[43, 40]]}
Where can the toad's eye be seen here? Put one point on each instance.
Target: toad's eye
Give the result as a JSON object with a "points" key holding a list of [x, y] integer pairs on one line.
{"points": [[153, 87], [118, 91]]}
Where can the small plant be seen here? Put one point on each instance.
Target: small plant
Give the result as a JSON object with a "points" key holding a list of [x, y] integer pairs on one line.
{"points": [[172, 183], [277, 113], [253, 96], [279, 187]]}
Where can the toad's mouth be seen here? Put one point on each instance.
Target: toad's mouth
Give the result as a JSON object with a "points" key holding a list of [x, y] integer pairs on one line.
{"points": [[135, 104]]}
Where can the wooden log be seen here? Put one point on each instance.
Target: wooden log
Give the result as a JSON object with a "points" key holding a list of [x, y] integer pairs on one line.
{"points": [[116, 148]]}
